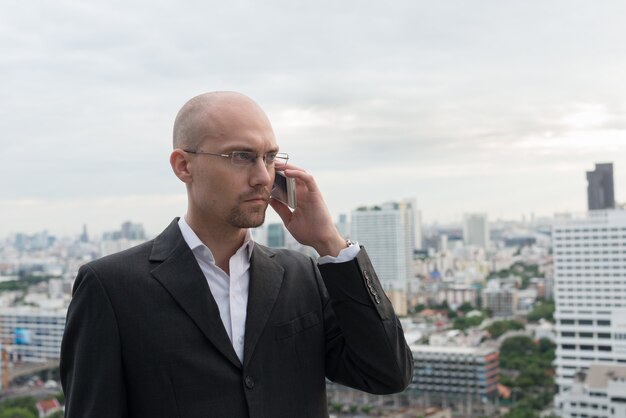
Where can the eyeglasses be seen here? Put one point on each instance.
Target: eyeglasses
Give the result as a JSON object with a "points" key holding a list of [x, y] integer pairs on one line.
{"points": [[248, 158]]}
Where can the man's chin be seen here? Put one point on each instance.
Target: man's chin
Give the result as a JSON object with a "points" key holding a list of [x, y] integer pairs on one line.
{"points": [[248, 220]]}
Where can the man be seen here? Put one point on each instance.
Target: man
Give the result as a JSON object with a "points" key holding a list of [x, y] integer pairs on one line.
{"points": [[203, 322]]}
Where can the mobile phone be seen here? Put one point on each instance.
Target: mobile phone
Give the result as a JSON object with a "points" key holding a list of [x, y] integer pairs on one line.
{"points": [[284, 189]]}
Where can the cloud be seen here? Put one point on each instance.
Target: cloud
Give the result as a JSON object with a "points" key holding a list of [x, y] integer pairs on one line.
{"points": [[443, 100]]}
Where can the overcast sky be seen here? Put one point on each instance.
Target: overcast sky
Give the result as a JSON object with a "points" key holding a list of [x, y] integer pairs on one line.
{"points": [[468, 106]]}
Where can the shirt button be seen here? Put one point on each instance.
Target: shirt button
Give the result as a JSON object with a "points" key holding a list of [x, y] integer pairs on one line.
{"points": [[249, 382]]}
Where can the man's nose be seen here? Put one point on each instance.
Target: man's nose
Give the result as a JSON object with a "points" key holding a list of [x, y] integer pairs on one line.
{"points": [[261, 172]]}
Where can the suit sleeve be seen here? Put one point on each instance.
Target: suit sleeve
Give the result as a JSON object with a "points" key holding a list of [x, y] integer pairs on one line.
{"points": [[91, 365], [366, 348]]}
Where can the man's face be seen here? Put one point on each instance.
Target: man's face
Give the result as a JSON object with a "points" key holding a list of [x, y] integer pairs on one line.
{"points": [[224, 194]]}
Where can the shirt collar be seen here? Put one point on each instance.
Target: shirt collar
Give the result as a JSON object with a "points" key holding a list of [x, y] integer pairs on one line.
{"points": [[192, 240]]}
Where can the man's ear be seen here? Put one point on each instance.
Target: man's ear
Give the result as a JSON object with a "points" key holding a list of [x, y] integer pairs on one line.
{"points": [[180, 165]]}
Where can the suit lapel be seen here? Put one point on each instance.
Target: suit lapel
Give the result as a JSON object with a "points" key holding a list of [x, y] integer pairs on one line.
{"points": [[180, 274], [266, 277]]}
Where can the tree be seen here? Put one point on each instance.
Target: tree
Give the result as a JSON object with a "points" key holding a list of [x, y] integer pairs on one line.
{"points": [[17, 413], [521, 411], [534, 381], [22, 402], [543, 310], [465, 307], [500, 327]]}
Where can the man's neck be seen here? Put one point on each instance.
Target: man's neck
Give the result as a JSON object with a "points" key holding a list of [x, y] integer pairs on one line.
{"points": [[223, 242]]}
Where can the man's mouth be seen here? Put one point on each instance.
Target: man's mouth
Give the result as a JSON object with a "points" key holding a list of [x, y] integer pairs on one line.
{"points": [[258, 198]]}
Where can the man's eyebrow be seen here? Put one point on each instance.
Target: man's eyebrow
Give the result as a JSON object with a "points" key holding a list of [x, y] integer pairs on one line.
{"points": [[247, 148]]}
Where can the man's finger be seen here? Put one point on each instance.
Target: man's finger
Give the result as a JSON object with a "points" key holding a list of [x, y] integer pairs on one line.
{"points": [[282, 210]]}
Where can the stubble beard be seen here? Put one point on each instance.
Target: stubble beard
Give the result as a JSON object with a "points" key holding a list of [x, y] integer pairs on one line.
{"points": [[247, 219], [252, 217]]}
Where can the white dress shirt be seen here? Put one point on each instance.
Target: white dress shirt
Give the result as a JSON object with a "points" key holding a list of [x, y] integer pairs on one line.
{"points": [[231, 292]]}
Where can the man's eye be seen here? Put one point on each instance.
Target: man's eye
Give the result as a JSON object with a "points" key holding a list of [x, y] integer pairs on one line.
{"points": [[242, 156], [269, 158]]}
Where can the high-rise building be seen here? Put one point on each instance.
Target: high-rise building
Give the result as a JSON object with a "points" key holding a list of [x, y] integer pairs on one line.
{"points": [[601, 392], [590, 293], [476, 230], [276, 235], [600, 190], [387, 231]]}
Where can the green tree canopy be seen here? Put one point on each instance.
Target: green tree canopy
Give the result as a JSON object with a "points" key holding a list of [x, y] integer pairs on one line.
{"points": [[543, 309], [16, 413], [22, 402], [498, 328]]}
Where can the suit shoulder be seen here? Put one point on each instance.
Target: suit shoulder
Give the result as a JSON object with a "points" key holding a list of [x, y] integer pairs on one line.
{"points": [[122, 258]]}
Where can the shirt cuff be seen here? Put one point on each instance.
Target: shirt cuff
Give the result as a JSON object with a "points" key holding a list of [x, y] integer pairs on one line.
{"points": [[347, 254]]}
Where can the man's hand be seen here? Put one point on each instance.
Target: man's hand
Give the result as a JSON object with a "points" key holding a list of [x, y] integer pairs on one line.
{"points": [[310, 223]]}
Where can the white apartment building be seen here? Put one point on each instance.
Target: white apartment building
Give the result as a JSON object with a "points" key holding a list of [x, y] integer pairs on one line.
{"points": [[599, 393], [590, 294], [32, 334], [476, 230], [387, 231]]}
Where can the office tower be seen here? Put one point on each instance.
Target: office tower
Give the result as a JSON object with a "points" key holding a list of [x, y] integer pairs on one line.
{"points": [[133, 231], [600, 191], [417, 224], [387, 232], [276, 235], [129, 235], [601, 392], [590, 293], [84, 237], [476, 230]]}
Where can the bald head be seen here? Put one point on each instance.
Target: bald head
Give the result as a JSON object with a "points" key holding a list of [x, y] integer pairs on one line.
{"points": [[210, 115]]}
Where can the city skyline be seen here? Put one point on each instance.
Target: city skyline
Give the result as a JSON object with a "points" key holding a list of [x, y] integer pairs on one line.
{"points": [[500, 109]]}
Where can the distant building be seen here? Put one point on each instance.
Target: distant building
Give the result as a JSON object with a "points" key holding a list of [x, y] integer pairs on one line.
{"points": [[600, 189], [454, 295], [387, 231], [455, 370], [48, 407], [276, 235], [502, 302], [129, 235], [84, 237], [343, 225], [590, 293], [476, 230], [600, 393], [32, 334]]}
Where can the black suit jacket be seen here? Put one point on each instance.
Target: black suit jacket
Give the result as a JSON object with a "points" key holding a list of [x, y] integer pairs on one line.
{"points": [[144, 337]]}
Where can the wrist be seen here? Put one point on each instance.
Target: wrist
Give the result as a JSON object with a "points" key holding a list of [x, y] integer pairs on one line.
{"points": [[332, 247]]}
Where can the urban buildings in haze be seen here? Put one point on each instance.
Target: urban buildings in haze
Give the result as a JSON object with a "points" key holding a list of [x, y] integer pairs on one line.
{"points": [[600, 189]]}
